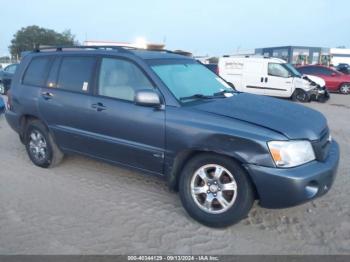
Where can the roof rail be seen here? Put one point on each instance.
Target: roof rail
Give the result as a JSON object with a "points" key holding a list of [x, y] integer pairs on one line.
{"points": [[102, 47]]}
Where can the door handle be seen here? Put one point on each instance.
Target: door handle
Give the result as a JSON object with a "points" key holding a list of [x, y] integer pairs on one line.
{"points": [[47, 95], [262, 80], [266, 79], [99, 106]]}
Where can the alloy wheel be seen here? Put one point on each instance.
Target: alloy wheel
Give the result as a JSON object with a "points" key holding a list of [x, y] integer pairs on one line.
{"points": [[213, 188], [37, 145], [345, 89]]}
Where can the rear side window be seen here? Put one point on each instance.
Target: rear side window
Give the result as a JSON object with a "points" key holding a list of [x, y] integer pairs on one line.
{"points": [[76, 74], [325, 71], [314, 70], [37, 71], [306, 70]]}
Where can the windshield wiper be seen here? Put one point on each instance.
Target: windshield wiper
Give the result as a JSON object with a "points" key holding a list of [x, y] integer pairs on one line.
{"points": [[223, 92], [196, 96]]}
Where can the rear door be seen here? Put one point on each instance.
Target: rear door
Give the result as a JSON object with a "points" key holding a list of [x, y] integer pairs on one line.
{"points": [[65, 101], [34, 78], [331, 77], [231, 70]]}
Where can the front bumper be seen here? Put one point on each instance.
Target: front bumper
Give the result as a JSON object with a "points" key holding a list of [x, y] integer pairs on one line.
{"points": [[320, 94], [284, 187]]}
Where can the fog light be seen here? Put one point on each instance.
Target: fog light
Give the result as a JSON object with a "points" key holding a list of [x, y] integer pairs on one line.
{"points": [[311, 189]]}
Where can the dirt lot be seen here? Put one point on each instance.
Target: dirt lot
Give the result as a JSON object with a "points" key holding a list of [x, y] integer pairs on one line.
{"points": [[87, 207]]}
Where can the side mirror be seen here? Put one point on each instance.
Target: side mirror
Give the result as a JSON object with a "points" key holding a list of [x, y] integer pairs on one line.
{"points": [[147, 97], [333, 74]]}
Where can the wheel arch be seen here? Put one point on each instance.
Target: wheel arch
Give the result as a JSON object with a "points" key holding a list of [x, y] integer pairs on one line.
{"points": [[23, 122], [173, 177]]}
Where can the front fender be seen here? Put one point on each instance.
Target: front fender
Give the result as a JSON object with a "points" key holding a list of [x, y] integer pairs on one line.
{"points": [[242, 150]]}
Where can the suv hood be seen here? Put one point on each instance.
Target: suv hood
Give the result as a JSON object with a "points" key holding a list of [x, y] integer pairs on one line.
{"points": [[292, 120]]}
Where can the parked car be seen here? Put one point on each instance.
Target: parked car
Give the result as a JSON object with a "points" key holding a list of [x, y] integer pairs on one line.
{"points": [[5, 78], [335, 80], [344, 68], [166, 114], [2, 106], [268, 76]]}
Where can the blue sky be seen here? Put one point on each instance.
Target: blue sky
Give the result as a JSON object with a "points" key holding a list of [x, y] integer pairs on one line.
{"points": [[203, 27]]}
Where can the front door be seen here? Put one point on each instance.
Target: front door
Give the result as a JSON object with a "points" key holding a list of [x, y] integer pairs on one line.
{"points": [[278, 81], [123, 131]]}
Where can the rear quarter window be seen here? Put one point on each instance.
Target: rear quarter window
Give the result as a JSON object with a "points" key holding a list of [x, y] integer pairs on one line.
{"points": [[37, 71]]}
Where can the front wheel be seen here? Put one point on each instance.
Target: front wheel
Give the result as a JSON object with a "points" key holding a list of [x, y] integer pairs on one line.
{"points": [[345, 89], [215, 190], [2, 89], [301, 95]]}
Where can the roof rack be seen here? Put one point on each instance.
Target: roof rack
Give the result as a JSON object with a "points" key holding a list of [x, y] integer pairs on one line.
{"points": [[103, 47]]}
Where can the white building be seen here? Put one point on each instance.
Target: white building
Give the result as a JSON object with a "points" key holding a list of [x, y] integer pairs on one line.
{"points": [[340, 55]]}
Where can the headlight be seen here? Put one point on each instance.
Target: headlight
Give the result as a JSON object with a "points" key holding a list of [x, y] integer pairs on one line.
{"points": [[291, 153]]}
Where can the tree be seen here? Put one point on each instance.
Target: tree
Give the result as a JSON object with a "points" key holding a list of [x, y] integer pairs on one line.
{"points": [[213, 60], [31, 37], [5, 59]]}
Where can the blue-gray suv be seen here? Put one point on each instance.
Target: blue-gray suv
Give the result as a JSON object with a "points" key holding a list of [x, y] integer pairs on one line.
{"points": [[166, 114]]}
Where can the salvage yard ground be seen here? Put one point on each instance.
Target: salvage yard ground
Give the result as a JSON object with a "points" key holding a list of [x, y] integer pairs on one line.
{"points": [[87, 207]]}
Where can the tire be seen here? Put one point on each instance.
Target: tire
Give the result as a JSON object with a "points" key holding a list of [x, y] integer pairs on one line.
{"points": [[2, 88], [42, 151], [301, 96], [345, 89], [324, 98], [219, 216]]}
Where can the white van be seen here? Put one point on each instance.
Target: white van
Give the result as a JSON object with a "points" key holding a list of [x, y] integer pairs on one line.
{"points": [[271, 77]]}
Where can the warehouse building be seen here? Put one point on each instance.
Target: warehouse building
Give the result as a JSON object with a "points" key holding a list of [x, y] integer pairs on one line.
{"points": [[340, 56], [298, 55]]}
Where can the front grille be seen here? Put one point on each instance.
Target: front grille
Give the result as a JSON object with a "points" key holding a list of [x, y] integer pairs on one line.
{"points": [[322, 145]]}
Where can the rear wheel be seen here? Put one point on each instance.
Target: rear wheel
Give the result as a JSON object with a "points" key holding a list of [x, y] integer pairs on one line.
{"points": [[215, 190], [41, 148], [345, 89], [2, 88]]}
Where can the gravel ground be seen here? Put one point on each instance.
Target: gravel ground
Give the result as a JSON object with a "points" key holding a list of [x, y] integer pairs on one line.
{"points": [[87, 207]]}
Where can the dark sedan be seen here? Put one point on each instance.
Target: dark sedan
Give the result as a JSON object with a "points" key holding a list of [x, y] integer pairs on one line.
{"points": [[6, 77], [2, 106]]}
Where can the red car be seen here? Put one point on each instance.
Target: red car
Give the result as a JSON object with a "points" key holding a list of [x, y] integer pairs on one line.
{"points": [[335, 80]]}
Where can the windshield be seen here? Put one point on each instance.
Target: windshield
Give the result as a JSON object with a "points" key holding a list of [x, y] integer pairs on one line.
{"points": [[291, 69], [190, 80]]}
